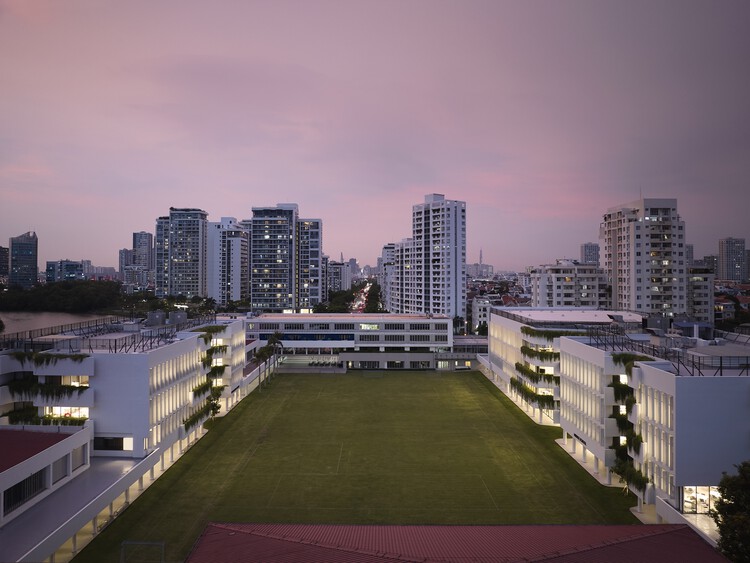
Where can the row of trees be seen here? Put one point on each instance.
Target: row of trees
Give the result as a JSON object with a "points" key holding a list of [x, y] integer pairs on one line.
{"points": [[64, 296]]}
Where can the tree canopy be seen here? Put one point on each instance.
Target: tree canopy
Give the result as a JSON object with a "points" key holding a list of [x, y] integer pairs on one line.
{"points": [[732, 514], [65, 296]]}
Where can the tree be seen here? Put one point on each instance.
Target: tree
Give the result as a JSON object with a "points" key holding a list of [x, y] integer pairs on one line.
{"points": [[732, 514], [482, 329]]}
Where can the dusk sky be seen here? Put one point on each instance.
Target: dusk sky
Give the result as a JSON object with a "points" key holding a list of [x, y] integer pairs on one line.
{"points": [[539, 114]]}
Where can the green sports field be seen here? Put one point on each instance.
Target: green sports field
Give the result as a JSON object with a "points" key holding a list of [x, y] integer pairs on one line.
{"points": [[367, 448]]}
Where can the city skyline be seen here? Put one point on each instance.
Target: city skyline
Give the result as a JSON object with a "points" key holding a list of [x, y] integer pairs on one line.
{"points": [[540, 117]]}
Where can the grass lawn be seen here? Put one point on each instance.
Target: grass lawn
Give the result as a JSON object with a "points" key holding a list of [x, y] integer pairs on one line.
{"points": [[367, 448]]}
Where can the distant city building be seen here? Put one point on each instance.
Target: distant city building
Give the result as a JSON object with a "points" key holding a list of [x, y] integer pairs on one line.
{"points": [[339, 277], [124, 261], [181, 253], [590, 253], [310, 271], [689, 255], [24, 265], [64, 270], [710, 261], [568, 283], [354, 269], [386, 262], [4, 261], [700, 294], [143, 250], [286, 260], [429, 273], [732, 259], [479, 271], [644, 257], [228, 258]]}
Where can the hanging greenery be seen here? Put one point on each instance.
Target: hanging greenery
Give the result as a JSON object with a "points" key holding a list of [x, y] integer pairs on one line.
{"points": [[542, 401], [202, 389], [30, 415], [548, 335], [46, 358], [28, 387], [542, 355], [216, 371], [209, 332], [622, 391], [628, 360], [536, 376]]}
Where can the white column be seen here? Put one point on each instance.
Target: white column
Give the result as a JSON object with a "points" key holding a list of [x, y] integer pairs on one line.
{"points": [[583, 454], [74, 539], [596, 465], [565, 438]]}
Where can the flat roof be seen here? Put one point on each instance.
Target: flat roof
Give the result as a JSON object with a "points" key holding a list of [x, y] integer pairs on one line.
{"points": [[341, 317], [722, 351], [19, 445], [570, 315]]}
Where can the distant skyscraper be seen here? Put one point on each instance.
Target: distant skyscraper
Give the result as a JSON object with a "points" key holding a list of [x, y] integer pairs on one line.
{"points": [[228, 261], [143, 250], [181, 253], [310, 278], [429, 270], [64, 270], [590, 253], [732, 264], [286, 259], [644, 257], [24, 265], [4, 261]]}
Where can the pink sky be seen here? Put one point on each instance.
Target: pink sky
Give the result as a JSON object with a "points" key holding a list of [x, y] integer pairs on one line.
{"points": [[540, 115]]}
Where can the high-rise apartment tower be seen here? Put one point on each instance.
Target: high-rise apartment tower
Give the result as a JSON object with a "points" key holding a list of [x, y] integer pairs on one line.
{"points": [[181, 253], [24, 260], [644, 257]]}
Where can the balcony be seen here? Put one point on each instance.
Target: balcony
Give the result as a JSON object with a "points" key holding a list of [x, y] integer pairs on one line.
{"points": [[84, 398]]}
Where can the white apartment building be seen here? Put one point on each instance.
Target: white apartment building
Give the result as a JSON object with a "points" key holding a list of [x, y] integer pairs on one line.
{"points": [[112, 397], [732, 260], [480, 309], [228, 261], [668, 413], [644, 257], [568, 283], [429, 273], [181, 253]]}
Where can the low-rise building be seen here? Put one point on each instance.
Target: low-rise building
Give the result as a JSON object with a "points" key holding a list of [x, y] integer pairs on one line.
{"points": [[360, 341], [524, 352], [132, 395], [668, 414]]}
